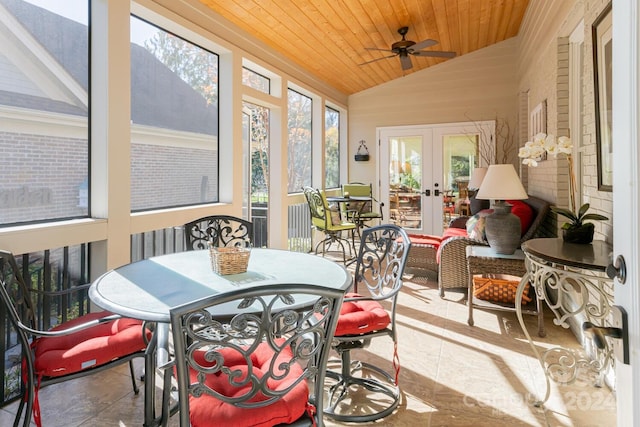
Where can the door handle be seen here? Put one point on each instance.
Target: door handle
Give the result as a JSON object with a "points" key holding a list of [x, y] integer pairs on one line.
{"points": [[436, 192], [618, 269], [428, 192], [619, 333]]}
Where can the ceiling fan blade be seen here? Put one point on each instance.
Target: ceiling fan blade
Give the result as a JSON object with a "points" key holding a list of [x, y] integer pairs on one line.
{"points": [[423, 44], [375, 48], [434, 53], [378, 59], [405, 61]]}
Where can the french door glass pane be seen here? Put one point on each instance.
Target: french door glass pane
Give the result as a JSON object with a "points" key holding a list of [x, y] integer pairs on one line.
{"points": [[405, 181]]}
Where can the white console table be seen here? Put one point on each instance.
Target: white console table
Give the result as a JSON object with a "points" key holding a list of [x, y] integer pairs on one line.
{"points": [[571, 280]]}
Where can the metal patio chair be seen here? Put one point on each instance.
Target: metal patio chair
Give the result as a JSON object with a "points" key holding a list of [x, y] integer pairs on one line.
{"points": [[255, 356], [83, 346], [369, 312], [220, 230]]}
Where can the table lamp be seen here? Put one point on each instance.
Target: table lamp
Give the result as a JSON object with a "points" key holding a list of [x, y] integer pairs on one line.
{"points": [[502, 228], [476, 205]]}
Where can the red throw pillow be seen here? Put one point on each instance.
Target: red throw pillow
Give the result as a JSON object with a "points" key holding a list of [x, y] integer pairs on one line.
{"points": [[524, 212]]}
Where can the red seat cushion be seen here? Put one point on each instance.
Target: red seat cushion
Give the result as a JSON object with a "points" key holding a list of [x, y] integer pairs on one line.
{"points": [[524, 212], [359, 317], [453, 232], [206, 410], [425, 239], [95, 346]]}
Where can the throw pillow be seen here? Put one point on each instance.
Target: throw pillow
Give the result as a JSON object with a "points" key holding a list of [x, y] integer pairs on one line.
{"points": [[524, 212], [476, 225], [334, 211]]}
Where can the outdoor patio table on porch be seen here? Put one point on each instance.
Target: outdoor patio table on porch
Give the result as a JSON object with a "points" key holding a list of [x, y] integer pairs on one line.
{"points": [[148, 289]]}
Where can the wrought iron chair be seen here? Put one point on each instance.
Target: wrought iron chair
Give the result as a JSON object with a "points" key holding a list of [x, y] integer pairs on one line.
{"points": [[220, 230], [88, 344], [262, 363], [332, 228], [378, 279], [362, 212]]}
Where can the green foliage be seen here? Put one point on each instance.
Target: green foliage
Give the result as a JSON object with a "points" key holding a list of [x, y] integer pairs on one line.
{"points": [[409, 181], [194, 65], [577, 220]]}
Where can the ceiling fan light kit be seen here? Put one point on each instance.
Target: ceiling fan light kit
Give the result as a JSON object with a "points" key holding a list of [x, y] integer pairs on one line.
{"points": [[404, 48]]}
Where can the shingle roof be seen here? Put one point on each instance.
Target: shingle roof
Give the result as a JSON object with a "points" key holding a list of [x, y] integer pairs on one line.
{"points": [[158, 95]]}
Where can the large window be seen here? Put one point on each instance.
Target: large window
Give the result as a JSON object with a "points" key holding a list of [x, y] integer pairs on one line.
{"points": [[331, 148], [44, 98], [174, 114], [299, 124]]}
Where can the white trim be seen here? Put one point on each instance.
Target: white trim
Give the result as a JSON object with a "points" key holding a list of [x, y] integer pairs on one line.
{"points": [[576, 84], [150, 135], [626, 196], [38, 122]]}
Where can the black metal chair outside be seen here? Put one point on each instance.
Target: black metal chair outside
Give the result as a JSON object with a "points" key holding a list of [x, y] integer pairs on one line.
{"points": [[378, 279], [220, 230], [332, 228], [86, 345], [267, 362]]}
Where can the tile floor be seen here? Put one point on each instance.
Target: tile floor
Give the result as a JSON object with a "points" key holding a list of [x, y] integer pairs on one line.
{"points": [[452, 375]]}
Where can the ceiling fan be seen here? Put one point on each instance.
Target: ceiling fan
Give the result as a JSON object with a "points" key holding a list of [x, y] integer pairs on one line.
{"points": [[404, 48]]}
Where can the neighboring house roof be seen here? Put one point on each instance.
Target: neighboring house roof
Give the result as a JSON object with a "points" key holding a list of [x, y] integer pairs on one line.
{"points": [[158, 95]]}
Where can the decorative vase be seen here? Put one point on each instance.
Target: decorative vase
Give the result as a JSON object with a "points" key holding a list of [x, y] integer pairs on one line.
{"points": [[582, 234], [502, 229]]}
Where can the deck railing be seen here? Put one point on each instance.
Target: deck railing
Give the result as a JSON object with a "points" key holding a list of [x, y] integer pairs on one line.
{"points": [[59, 269]]}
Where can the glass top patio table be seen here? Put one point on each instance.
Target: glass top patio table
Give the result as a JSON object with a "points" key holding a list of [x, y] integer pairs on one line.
{"points": [[147, 289]]}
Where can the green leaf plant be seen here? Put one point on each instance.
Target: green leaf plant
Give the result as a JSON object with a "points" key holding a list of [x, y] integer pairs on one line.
{"points": [[578, 220]]}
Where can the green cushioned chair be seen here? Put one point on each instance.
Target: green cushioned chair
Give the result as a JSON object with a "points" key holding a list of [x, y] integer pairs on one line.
{"points": [[332, 226]]}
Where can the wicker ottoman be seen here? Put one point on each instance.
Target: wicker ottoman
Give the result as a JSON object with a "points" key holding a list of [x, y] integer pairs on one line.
{"points": [[422, 255]]}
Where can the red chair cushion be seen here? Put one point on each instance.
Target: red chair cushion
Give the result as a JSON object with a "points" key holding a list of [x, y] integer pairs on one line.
{"points": [[453, 232], [206, 410], [425, 239], [524, 212], [57, 356], [359, 317]]}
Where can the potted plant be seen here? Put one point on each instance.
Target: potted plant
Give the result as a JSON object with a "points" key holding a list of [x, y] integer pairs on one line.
{"points": [[576, 230]]}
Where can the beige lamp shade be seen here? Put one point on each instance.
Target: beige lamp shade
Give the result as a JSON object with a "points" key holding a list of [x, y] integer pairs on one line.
{"points": [[501, 182], [477, 177]]}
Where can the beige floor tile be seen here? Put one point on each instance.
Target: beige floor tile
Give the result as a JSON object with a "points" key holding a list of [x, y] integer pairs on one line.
{"points": [[452, 374]]}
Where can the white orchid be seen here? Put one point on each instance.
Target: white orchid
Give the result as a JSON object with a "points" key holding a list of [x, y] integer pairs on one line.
{"points": [[534, 150], [565, 145], [541, 144]]}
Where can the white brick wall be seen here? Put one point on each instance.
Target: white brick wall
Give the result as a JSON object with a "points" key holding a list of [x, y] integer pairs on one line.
{"points": [[546, 77]]}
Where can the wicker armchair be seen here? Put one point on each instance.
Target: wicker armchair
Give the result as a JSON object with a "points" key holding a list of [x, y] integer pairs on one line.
{"points": [[452, 271]]}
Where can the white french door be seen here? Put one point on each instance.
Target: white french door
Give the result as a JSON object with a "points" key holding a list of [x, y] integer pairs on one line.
{"points": [[423, 169], [626, 196]]}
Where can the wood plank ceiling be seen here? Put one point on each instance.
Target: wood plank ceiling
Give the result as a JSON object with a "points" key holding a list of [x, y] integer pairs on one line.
{"points": [[329, 38]]}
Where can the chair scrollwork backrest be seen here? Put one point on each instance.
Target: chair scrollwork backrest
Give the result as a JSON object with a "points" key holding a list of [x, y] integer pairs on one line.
{"points": [[276, 340], [381, 261], [220, 230], [318, 208]]}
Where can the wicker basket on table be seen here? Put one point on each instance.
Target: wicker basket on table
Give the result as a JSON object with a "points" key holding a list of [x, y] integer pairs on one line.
{"points": [[229, 260]]}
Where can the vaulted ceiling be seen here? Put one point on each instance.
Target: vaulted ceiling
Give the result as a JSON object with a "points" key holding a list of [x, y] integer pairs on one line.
{"points": [[332, 38]]}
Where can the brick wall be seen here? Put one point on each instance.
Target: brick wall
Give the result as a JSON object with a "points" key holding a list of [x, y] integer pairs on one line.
{"points": [[547, 78], [43, 177], [40, 177]]}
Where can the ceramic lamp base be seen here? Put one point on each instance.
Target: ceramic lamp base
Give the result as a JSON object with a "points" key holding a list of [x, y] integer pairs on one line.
{"points": [[503, 229]]}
